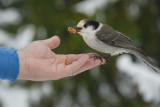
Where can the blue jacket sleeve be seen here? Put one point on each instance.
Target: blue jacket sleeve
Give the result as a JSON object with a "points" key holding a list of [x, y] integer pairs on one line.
{"points": [[9, 64]]}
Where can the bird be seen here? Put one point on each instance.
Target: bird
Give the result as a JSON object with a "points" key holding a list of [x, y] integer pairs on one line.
{"points": [[103, 38]]}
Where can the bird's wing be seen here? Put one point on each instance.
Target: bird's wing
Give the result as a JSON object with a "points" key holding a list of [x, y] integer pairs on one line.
{"points": [[116, 39]]}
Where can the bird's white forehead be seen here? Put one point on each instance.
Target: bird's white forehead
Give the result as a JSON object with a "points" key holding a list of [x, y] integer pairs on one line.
{"points": [[81, 23]]}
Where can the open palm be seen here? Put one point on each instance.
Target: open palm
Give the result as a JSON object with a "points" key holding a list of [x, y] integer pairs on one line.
{"points": [[38, 62]]}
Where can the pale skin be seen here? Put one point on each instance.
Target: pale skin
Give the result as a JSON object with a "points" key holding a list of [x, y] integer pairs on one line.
{"points": [[39, 63]]}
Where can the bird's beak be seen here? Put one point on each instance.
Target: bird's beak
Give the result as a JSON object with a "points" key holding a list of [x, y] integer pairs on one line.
{"points": [[74, 29], [78, 29]]}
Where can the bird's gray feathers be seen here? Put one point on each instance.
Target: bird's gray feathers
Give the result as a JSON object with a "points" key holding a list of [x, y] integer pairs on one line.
{"points": [[114, 38], [146, 60]]}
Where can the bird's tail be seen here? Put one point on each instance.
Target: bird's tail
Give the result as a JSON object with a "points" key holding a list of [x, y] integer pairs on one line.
{"points": [[146, 60]]}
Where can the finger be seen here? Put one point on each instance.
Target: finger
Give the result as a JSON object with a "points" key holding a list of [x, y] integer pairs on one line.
{"points": [[92, 54], [90, 64], [74, 57], [76, 65], [52, 42]]}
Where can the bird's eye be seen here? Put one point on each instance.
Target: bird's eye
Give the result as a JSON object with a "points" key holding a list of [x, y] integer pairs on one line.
{"points": [[85, 25]]}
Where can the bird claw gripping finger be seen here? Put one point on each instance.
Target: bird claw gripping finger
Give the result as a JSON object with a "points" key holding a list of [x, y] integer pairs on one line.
{"points": [[100, 57]]}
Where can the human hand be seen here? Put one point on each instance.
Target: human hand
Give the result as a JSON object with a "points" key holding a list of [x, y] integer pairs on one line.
{"points": [[39, 63]]}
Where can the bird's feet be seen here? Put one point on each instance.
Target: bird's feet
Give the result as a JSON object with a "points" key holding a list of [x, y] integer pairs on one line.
{"points": [[100, 57]]}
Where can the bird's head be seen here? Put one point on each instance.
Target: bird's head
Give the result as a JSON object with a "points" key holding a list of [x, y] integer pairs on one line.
{"points": [[87, 27]]}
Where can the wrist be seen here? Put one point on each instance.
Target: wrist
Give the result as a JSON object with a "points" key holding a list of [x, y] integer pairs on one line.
{"points": [[22, 64]]}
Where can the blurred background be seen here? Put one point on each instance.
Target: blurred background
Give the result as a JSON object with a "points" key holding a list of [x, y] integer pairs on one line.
{"points": [[123, 82]]}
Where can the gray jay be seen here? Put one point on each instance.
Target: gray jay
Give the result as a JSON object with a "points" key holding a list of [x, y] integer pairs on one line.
{"points": [[104, 38]]}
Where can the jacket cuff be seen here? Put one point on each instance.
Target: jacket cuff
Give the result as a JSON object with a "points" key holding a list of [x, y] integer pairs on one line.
{"points": [[9, 64]]}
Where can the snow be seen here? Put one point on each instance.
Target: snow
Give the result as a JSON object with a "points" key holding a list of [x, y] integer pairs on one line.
{"points": [[89, 7], [23, 37], [13, 96], [9, 16], [148, 81]]}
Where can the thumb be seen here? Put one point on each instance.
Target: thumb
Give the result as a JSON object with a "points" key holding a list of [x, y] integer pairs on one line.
{"points": [[52, 42]]}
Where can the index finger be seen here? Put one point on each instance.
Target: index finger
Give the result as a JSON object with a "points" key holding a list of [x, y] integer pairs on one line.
{"points": [[74, 57]]}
